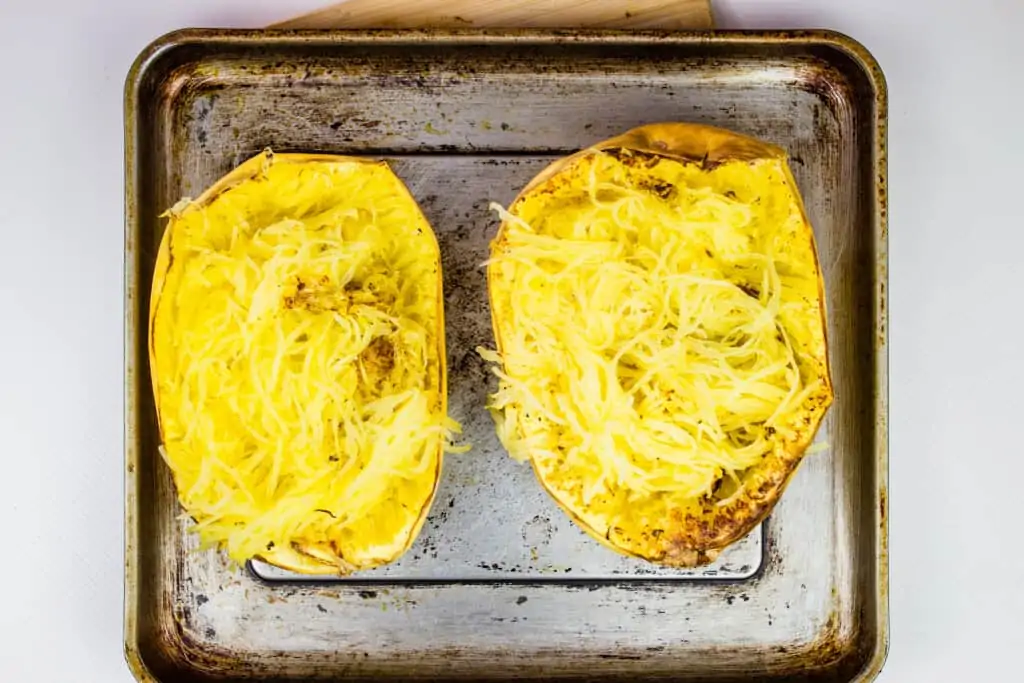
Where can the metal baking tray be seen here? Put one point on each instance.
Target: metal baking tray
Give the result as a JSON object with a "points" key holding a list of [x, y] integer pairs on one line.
{"points": [[501, 584]]}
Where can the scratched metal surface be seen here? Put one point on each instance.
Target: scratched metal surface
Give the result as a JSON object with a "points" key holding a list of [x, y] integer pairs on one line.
{"points": [[500, 583]]}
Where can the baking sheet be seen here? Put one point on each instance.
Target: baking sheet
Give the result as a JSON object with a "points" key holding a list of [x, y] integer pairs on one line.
{"points": [[500, 583]]}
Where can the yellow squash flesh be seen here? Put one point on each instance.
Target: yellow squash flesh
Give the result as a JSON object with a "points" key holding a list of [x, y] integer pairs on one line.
{"points": [[659, 315], [298, 364]]}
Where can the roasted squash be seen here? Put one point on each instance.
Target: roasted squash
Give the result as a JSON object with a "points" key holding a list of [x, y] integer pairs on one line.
{"points": [[298, 364], [659, 316]]}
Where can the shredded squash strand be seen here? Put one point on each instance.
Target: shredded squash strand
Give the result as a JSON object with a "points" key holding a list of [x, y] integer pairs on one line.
{"points": [[643, 334], [299, 381]]}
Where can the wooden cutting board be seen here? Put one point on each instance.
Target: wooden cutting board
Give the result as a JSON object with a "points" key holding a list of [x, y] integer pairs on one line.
{"points": [[621, 14]]}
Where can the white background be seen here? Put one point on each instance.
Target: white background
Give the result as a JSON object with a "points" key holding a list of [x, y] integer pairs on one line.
{"points": [[956, 75]]}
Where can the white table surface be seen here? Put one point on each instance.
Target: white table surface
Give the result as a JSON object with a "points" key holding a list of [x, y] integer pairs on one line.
{"points": [[955, 71]]}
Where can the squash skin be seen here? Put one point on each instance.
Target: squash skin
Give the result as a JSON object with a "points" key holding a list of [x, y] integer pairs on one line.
{"points": [[694, 534], [320, 557]]}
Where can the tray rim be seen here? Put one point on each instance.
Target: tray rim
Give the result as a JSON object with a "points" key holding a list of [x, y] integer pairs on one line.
{"points": [[858, 53]]}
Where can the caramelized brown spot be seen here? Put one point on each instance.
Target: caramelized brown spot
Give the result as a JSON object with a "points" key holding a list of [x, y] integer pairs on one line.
{"points": [[379, 357], [750, 290], [659, 188]]}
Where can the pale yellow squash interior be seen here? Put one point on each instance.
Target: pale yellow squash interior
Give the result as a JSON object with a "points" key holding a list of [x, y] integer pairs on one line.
{"points": [[297, 355], [658, 309]]}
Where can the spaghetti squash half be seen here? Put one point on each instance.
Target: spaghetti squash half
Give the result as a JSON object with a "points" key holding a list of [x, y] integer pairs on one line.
{"points": [[298, 364], [660, 324]]}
